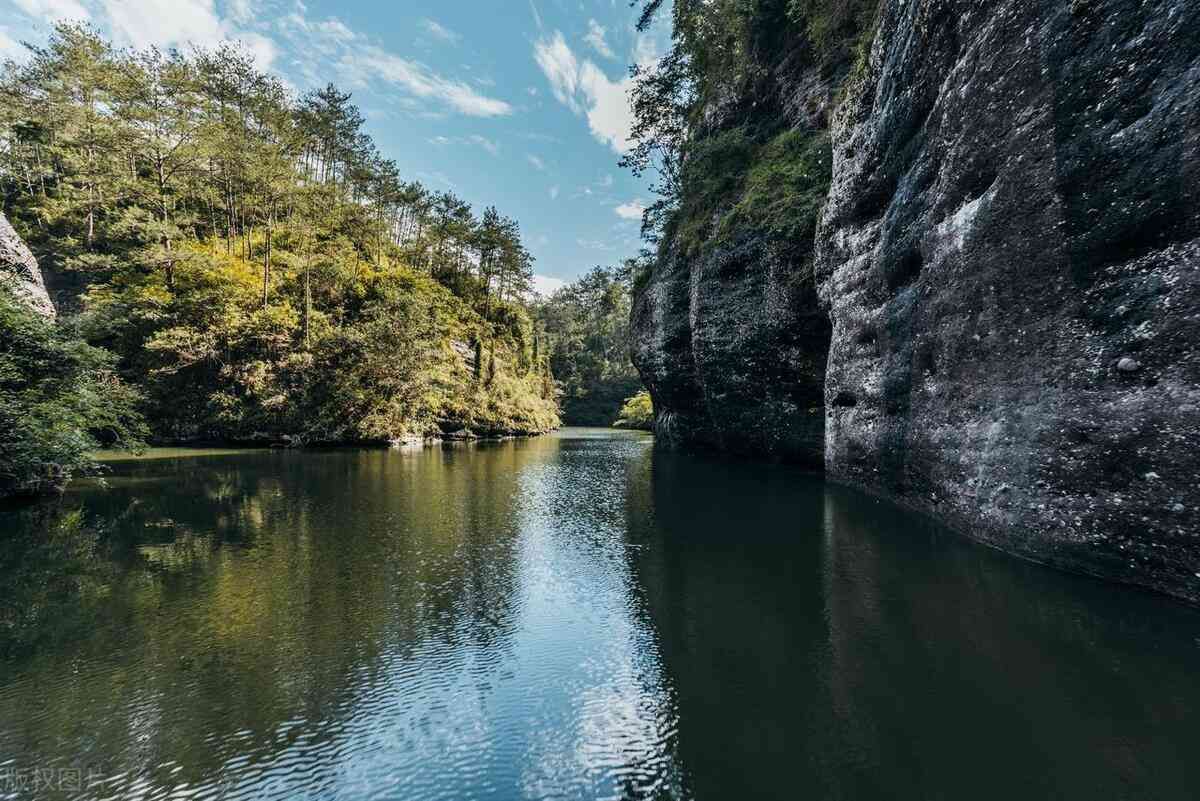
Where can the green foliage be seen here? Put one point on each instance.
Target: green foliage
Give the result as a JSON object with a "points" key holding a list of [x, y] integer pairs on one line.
{"points": [[734, 183], [712, 118], [836, 28], [637, 412], [59, 400], [785, 187], [260, 270], [587, 324], [713, 175]]}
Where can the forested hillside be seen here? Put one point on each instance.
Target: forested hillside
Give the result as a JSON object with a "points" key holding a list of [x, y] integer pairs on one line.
{"points": [[260, 271], [587, 333]]}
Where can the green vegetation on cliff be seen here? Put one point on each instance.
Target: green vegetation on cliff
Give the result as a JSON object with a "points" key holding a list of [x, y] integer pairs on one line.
{"points": [[736, 151], [259, 270]]}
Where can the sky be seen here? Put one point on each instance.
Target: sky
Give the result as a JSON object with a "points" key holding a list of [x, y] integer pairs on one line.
{"points": [[520, 104]]}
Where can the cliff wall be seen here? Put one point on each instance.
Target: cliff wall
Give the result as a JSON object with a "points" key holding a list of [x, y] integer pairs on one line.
{"points": [[19, 270], [1009, 263]]}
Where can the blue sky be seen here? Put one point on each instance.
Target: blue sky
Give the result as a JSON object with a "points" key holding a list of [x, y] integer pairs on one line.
{"points": [[521, 104]]}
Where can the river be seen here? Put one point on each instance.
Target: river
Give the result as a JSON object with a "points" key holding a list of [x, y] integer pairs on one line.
{"points": [[575, 616]]}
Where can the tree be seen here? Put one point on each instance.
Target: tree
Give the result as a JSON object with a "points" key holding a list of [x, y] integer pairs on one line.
{"points": [[248, 257], [587, 325], [59, 401]]}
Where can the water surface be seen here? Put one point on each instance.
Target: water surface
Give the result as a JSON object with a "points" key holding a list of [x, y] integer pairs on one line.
{"points": [[573, 617]]}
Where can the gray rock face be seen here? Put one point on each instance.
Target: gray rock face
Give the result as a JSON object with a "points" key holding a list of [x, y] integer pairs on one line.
{"points": [[1010, 255], [732, 345], [19, 270], [1010, 262]]}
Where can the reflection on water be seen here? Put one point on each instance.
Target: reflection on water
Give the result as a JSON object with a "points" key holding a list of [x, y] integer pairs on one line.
{"points": [[567, 617]]}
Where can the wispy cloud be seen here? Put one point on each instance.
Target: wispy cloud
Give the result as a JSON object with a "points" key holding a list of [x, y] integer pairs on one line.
{"points": [[145, 23], [440, 32], [595, 37], [537, 163], [632, 210], [53, 10], [9, 47], [554, 190], [584, 88], [537, 18], [436, 177], [486, 144], [422, 82], [474, 140], [358, 61]]}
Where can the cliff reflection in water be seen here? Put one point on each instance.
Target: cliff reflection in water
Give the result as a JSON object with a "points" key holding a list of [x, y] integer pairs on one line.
{"points": [[575, 616], [820, 639]]}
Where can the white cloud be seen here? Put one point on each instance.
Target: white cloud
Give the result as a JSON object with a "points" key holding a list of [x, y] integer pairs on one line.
{"points": [[561, 68], [241, 11], [9, 47], [537, 163], [441, 32], [146, 23], [545, 285], [554, 190], [436, 177], [630, 211], [595, 37], [584, 88], [363, 61], [474, 140], [537, 18], [358, 62], [486, 144], [53, 10]]}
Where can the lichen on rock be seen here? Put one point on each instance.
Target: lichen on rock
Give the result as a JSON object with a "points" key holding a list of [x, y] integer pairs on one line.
{"points": [[19, 270]]}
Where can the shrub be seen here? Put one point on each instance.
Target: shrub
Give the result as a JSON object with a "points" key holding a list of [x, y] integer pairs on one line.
{"points": [[638, 412], [59, 401]]}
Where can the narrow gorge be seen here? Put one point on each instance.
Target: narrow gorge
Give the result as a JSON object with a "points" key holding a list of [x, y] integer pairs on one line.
{"points": [[992, 315]]}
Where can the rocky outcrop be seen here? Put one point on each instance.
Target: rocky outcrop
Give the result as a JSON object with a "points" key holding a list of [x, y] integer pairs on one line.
{"points": [[1010, 262], [732, 345], [1010, 256], [19, 270]]}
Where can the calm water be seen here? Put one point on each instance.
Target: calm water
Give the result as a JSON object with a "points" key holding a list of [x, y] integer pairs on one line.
{"points": [[570, 617]]}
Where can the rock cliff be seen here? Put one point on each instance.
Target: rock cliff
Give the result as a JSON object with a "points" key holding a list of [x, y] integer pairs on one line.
{"points": [[1009, 264], [19, 270]]}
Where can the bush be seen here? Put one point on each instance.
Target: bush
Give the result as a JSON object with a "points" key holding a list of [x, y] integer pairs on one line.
{"points": [[638, 412], [59, 401]]}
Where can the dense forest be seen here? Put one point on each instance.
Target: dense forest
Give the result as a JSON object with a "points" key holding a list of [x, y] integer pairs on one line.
{"points": [[587, 332], [258, 271]]}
